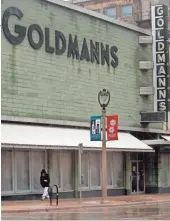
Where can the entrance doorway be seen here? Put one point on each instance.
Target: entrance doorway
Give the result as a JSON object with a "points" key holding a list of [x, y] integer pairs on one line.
{"points": [[137, 174]]}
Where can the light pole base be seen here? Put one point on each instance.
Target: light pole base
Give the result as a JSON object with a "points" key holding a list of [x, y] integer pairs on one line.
{"points": [[104, 202]]}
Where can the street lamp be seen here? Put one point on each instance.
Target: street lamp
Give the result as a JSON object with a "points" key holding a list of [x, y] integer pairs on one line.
{"points": [[104, 99]]}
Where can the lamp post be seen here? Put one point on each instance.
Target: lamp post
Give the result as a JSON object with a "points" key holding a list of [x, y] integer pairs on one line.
{"points": [[104, 99]]}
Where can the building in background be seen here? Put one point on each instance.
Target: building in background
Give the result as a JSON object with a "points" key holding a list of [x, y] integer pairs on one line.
{"points": [[132, 11]]}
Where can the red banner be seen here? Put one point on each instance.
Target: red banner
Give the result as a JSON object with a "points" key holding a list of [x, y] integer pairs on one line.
{"points": [[112, 127]]}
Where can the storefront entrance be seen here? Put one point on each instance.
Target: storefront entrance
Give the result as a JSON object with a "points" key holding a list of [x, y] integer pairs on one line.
{"points": [[137, 173]]}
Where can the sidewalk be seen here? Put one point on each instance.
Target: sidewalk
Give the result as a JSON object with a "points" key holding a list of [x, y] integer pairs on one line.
{"points": [[64, 204]]}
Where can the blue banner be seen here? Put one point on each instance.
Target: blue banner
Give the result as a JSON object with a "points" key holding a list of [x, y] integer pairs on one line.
{"points": [[95, 128]]}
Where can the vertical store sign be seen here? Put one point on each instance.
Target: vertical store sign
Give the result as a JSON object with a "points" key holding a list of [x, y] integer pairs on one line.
{"points": [[160, 56], [95, 128], [112, 127]]}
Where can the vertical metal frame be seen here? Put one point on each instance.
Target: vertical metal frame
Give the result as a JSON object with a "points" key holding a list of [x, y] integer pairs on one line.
{"points": [[113, 172], [89, 172], [13, 170], [30, 172], [46, 160], [124, 169], [169, 170], [61, 170], [112, 168], [90, 186]]}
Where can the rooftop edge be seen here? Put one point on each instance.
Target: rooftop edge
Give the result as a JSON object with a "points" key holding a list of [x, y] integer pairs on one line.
{"points": [[99, 16]]}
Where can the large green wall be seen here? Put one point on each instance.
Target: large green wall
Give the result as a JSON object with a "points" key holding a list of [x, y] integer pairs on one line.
{"points": [[42, 85]]}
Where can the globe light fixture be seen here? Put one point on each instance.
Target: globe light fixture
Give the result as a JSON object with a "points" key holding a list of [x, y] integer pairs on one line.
{"points": [[104, 98]]}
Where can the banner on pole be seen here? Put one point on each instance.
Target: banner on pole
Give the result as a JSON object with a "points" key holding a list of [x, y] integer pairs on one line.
{"points": [[112, 127], [95, 128]]}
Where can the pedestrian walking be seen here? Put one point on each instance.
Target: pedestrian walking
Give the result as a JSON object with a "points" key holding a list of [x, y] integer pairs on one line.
{"points": [[45, 183]]}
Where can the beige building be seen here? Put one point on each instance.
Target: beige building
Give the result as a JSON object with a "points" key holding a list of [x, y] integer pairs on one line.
{"points": [[56, 57], [132, 11]]}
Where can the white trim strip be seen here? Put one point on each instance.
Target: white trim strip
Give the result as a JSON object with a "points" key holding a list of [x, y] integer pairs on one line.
{"points": [[14, 146], [66, 123]]}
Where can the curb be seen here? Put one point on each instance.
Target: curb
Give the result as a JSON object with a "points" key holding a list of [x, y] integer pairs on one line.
{"points": [[124, 204]]}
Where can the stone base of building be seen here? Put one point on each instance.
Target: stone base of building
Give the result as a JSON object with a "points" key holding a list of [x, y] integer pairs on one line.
{"points": [[157, 190], [66, 195], [85, 194]]}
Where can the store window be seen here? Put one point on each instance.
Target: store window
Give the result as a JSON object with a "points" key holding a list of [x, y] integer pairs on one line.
{"points": [[85, 169], [151, 170], [22, 170], [25, 176], [165, 169], [67, 170], [95, 166], [61, 171], [38, 163], [54, 162], [118, 170], [127, 11], [91, 169], [111, 12], [115, 170], [6, 171]]}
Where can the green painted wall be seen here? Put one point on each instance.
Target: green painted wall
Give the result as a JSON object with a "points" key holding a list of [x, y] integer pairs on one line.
{"points": [[42, 85]]}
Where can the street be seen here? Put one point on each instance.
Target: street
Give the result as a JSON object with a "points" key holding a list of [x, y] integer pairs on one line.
{"points": [[155, 211]]}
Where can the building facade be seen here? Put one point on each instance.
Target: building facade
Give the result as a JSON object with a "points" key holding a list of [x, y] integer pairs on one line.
{"points": [[56, 57]]}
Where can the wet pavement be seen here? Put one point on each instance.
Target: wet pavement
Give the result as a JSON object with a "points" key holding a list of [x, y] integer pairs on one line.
{"points": [[75, 203], [159, 211]]}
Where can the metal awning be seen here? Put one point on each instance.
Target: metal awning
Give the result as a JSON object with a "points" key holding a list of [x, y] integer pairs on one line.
{"points": [[166, 137], [157, 142], [45, 137]]}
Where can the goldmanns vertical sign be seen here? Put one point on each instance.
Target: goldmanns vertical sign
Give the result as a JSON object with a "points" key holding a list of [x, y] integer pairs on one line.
{"points": [[160, 56]]}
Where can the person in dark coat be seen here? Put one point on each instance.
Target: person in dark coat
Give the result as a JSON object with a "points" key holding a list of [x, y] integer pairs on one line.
{"points": [[45, 183]]}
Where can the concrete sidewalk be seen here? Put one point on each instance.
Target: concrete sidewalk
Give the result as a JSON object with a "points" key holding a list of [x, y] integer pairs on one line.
{"points": [[72, 204]]}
